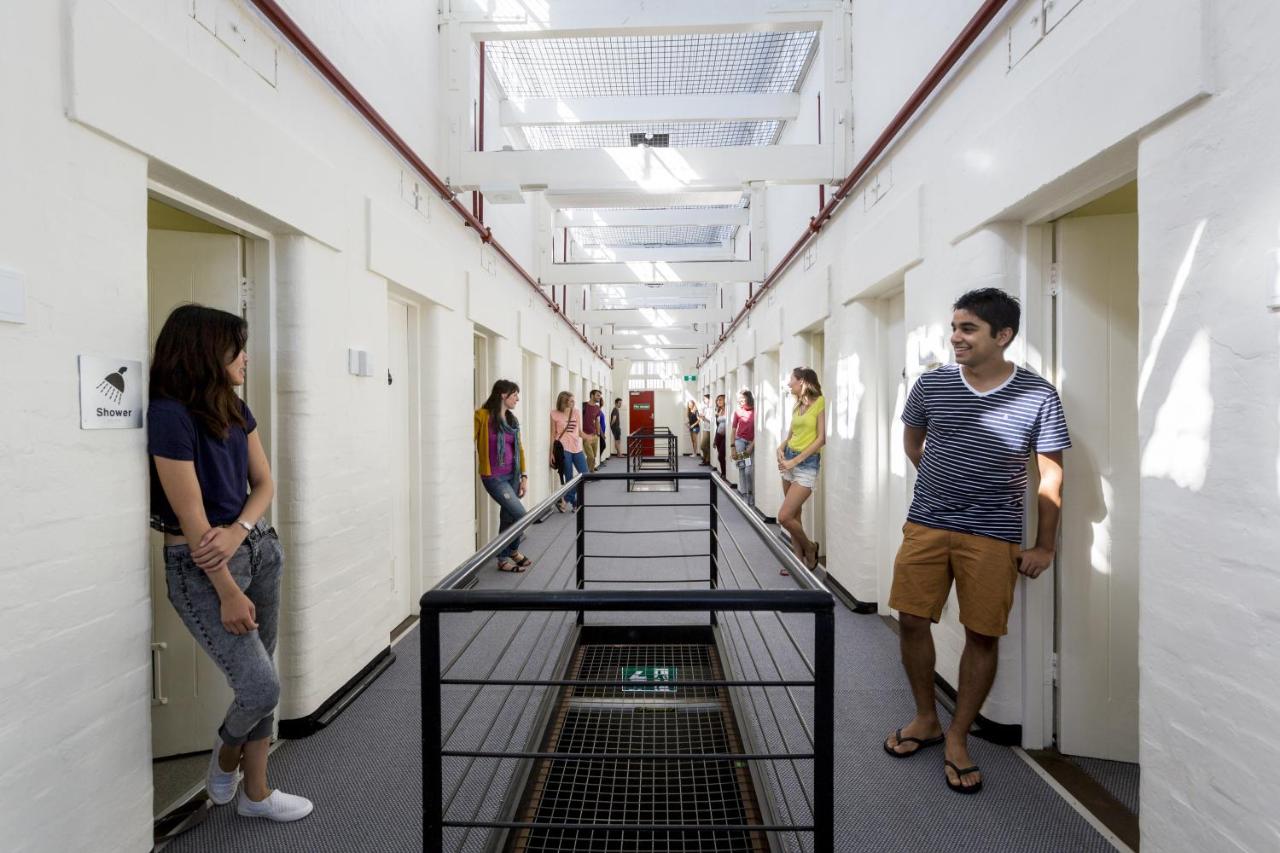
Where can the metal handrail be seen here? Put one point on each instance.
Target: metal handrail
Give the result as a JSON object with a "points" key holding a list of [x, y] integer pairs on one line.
{"points": [[452, 595]]}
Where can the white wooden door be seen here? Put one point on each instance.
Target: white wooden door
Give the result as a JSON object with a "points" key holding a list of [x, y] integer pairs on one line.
{"points": [[398, 457], [1097, 564], [190, 695], [893, 460]]}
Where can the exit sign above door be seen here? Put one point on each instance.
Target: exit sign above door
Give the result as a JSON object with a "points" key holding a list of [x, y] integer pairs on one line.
{"points": [[691, 377]]}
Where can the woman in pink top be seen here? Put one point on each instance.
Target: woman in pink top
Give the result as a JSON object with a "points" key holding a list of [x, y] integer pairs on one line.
{"points": [[566, 428], [744, 441]]}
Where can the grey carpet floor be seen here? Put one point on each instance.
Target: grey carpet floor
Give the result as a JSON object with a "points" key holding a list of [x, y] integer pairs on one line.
{"points": [[364, 770]]}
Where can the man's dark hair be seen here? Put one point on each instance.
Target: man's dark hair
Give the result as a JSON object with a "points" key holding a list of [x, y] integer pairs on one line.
{"points": [[617, 399], [994, 307]]}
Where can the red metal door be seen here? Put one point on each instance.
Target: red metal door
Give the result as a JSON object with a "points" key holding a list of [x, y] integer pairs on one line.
{"points": [[642, 417]]}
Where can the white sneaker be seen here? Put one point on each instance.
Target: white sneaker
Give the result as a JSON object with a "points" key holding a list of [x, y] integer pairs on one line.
{"points": [[279, 806], [220, 784]]}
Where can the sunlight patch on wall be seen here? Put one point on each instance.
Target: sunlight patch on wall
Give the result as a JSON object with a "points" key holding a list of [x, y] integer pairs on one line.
{"points": [[1100, 550], [849, 393], [1178, 449], [897, 457], [1170, 307]]}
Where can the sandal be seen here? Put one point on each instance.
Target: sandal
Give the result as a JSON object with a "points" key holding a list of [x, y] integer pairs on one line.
{"points": [[817, 549], [958, 786], [921, 743], [505, 565], [521, 560]]}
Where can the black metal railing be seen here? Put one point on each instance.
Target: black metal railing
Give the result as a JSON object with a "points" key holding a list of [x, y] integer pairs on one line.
{"points": [[806, 595], [656, 449]]}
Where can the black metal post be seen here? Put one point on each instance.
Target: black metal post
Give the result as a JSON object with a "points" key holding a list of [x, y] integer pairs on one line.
{"points": [[432, 763], [581, 525], [824, 721]]}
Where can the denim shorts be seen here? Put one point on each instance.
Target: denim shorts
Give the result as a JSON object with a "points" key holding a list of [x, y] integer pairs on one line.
{"points": [[806, 473]]}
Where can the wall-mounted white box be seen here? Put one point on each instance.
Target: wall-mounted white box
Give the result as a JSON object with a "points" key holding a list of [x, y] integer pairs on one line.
{"points": [[359, 363], [13, 296]]}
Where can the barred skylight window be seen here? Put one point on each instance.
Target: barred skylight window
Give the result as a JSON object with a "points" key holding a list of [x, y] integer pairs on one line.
{"points": [[688, 64]]}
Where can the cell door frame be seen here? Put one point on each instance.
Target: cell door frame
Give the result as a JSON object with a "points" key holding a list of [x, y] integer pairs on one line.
{"points": [[258, 307], [1039, 597], [414, 309]]}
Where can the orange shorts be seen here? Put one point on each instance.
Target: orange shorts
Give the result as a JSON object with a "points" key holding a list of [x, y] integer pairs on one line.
{"points": [[985, 571]]}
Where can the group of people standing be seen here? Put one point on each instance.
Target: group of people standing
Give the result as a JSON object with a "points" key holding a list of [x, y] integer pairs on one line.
{"points": [[970, 428]]}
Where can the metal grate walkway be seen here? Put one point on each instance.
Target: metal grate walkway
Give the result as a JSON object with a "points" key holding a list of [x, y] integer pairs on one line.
{"points": [[646, 718]]}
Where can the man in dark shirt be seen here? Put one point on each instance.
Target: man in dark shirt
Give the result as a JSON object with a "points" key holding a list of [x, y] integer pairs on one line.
{"points": [[591, 428]]}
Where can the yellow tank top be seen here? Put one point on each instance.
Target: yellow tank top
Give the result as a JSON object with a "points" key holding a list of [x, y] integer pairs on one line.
{"points": [[804, 426]]}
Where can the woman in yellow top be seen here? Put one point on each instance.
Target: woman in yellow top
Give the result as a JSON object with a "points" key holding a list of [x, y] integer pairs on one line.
{"points": [[500, 463], [799, 457]]}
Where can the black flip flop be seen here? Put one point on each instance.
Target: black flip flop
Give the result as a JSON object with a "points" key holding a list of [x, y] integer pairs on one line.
{"points": [[921, 743], [524, 562], [515, 567], [960, 774]]}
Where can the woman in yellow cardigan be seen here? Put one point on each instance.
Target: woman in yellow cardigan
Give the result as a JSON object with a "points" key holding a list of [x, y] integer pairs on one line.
{"points": [[500, 463]]}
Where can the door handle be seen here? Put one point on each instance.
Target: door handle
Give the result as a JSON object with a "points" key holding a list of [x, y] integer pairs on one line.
{"points": [[157, 674]]}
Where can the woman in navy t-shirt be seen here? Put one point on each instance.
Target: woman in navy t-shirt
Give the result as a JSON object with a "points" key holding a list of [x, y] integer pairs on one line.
{"points": [[210, 487]]}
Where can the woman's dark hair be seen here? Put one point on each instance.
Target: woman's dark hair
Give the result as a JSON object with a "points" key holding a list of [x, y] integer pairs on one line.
{"points": [[190, 365], [749, 397], [812, 389], [493, 405], [719, 402], [994, 307]]}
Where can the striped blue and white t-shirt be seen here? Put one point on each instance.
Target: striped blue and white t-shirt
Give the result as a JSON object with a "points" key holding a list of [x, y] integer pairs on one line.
{"points": [[973, 474]]}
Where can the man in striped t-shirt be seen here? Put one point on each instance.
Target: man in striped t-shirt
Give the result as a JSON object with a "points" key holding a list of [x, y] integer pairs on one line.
{"points": [[970, 429]]}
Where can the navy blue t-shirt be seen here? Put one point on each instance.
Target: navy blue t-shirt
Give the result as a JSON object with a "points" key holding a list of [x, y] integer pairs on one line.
{"points": [[222, 464]]}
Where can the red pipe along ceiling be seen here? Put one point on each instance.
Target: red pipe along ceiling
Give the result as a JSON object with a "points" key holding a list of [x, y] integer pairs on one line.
{"points": [[967, 37], [272, 11]]}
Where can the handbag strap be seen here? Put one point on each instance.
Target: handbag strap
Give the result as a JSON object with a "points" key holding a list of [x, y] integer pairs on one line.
{"points": [[566, 427]]}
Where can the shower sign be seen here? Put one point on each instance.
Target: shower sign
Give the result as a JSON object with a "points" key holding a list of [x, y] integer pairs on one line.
{"points": [[648, 679], [110, 393]]}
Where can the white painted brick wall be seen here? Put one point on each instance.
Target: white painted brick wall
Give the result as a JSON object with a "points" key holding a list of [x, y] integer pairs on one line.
{"points": [[74, 599]]}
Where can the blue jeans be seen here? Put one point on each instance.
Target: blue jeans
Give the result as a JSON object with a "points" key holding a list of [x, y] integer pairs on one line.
{"points": [[245, 659], [505, 491], [746, 473], [573, 460]]}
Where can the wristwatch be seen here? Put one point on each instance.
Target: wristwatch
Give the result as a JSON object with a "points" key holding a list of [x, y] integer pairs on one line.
{"points": [[248, 528]]}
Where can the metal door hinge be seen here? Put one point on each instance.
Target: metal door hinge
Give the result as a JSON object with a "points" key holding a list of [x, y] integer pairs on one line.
{"points": [[1053, 668]]}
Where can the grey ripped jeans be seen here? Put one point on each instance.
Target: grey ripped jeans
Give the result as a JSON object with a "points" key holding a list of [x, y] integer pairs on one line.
{"points": [[245, 659]]}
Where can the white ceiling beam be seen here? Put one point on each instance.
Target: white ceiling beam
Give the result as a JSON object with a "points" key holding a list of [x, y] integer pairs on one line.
{"points": [[643, 272], [669, 254], [587, 218], [519, 19], [649, 108], [632, 318], [644, 169], [631, 197], [657, 338]]}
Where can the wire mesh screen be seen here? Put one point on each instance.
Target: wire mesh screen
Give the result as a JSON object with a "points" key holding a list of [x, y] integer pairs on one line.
{"points": [[653, 235], [690, 64], [690, 134]]}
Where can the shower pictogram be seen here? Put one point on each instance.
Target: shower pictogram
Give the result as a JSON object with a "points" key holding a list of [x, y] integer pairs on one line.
{"points": [[112, 385]]}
